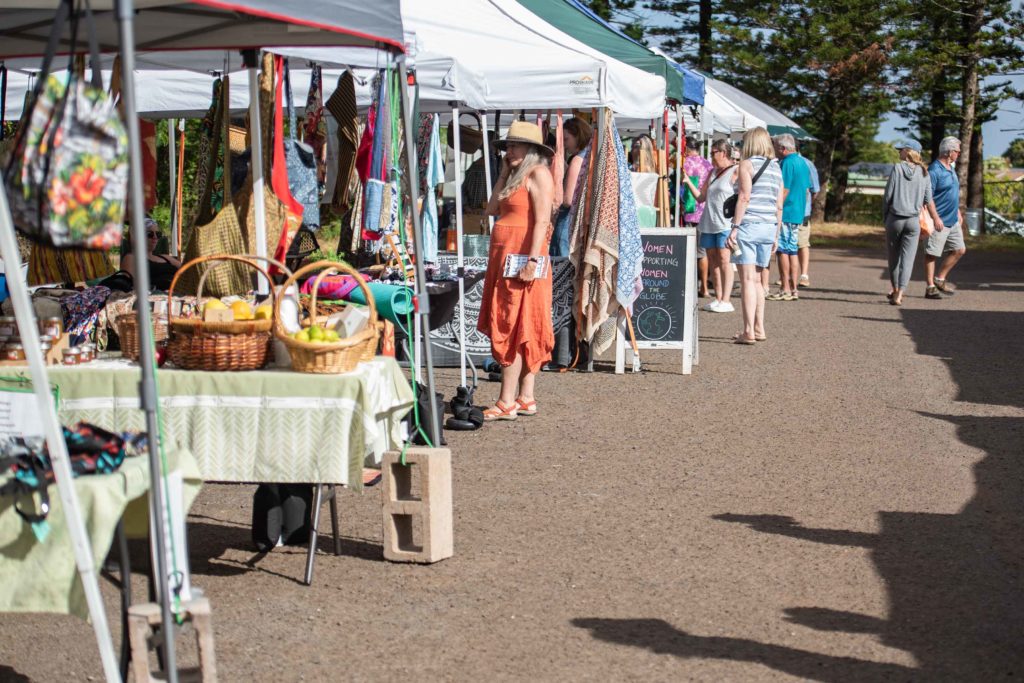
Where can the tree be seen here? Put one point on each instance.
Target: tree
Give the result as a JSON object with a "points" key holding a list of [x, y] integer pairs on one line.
{"points": [[1015, 153], [676, 38], [621, 13]]}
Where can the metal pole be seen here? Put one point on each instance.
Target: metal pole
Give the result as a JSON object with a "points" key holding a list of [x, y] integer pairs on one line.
{"points": [[251, 59], [147, 385], [482, 117], [461, 260], [173, 184], [55, 440], [422, 300], [680, 141]]}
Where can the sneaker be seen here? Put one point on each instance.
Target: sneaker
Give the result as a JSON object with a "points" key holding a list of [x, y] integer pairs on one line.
{"points": [[790, 297], [725, 307], [711, 306], [945, 287], [932, 293], [777, 296], [804, 281]]}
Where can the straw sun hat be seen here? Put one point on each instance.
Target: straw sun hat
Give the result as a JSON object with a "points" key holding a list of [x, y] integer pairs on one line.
{"points": [[529, 133]]}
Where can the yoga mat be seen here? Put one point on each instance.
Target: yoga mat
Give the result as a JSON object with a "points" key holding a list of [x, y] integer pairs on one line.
{"points": [[394, 302]]}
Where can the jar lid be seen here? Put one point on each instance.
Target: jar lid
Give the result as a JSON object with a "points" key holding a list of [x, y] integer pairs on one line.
{"points": [[14, 345]]}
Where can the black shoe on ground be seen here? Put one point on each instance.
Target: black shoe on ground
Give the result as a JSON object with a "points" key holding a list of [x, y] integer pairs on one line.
{"points": [[932, 293]]}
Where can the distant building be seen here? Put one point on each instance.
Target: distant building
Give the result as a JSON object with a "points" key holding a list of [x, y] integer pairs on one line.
{"points": [[868, 178]]}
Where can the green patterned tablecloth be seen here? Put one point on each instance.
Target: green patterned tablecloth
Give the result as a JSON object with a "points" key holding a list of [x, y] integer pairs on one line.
{"points": [[42, 577], [265, 426]]}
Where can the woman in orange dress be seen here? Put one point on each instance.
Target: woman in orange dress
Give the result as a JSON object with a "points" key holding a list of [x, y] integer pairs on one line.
{"points": [[516, 311]]}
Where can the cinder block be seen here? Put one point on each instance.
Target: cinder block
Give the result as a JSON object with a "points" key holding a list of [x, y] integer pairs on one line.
{"points": [[417, 505], [142, 617]]}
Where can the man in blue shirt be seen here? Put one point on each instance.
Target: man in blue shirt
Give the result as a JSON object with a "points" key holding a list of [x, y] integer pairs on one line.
{"points": [[796, 181], [948, 238], [804, 243]]}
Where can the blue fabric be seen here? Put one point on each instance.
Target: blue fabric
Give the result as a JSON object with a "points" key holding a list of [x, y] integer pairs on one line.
{"points": [[945, 192], [628, 285], [434, 177], [3, 288], [797, 179], [693, 85], [713, 240], [815, 185], [789, 237], [560, 236]]}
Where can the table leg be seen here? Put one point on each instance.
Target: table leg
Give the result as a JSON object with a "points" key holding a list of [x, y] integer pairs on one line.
{"points": [[318, 495], [334, 519], [124, 565]]}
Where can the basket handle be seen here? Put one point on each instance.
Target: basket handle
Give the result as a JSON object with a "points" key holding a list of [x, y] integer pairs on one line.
{"points": [[328, 267], [214, 257]]}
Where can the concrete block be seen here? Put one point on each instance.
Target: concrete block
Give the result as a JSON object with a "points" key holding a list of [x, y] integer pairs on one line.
{"points": [[417, 505], [142, 617]]}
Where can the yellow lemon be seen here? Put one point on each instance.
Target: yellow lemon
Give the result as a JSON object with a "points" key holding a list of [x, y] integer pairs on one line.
{"points": [[241, 310], [214, 305], [302, 335], [331, 336], [264, 312], [315, 333]]}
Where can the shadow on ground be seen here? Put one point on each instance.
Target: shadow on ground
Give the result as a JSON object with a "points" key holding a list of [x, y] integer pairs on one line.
{"points": [[954, 581]]}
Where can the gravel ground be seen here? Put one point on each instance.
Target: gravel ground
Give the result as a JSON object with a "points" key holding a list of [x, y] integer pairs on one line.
{"points": [[841, 502]]}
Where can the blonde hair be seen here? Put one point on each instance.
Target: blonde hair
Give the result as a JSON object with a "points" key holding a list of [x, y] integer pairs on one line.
{"points": [[518, 176], [914, 157], [757, 143]]}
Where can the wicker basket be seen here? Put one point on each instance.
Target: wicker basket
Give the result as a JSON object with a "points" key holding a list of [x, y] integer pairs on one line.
{"points": [[218, 346], [334, 357], [127, 327]]}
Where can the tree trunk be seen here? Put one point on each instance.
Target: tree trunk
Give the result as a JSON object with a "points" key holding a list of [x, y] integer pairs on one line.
{"points": [[976, 172], [938, 117], [704, 50], [823, 162], [835, 207], [973, 20]]}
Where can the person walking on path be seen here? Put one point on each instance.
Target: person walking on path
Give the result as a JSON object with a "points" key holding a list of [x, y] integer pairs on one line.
{"points": [[796, 181], [515, 311], [949, 239], [755, 227], [804, 243], [908, 190], [696, 166], [714, 226]]}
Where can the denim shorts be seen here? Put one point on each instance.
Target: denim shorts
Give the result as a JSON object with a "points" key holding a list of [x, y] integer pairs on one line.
{"points": [[713, 240], [789, 239], [755, 240]]}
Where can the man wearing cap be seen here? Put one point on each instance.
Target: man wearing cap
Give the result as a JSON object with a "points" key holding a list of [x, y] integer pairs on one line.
{"points": [[948, 239]]}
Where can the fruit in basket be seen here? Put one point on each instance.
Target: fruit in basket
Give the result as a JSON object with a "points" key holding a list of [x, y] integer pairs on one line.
{"points": [[264, 312], [214, 305], [316, 333], [302, 335], [241, 310], [331, 336]]}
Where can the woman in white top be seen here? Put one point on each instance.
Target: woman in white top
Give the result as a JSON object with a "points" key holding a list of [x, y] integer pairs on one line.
{"points": [[714, 226], [755, 227]]}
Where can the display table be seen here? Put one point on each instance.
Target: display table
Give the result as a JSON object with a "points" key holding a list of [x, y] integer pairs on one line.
{"points": [[42, 577], [261, 426]]}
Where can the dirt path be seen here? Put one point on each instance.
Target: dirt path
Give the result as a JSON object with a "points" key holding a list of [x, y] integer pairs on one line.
{"points": [[842, 502]]}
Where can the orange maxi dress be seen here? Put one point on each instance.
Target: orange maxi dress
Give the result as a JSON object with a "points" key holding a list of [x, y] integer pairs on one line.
{"points": [[516, 315]]}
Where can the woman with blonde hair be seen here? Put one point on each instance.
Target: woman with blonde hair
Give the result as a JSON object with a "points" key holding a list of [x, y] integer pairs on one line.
{"points": [[755, 227], [515, 311], [908, 190]]}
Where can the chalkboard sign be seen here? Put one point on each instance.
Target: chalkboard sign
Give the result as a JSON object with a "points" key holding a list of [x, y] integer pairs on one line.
{"points": [[659, 310]]}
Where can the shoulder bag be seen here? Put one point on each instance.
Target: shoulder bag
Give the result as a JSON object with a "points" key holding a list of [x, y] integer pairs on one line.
{"points": [[729, 207]]}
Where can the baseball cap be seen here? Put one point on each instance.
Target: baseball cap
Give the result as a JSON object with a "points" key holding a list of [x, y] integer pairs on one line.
{"points": [[909, 144]]}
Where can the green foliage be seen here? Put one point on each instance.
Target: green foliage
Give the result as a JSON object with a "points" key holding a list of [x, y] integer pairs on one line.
{"points": [[876, 152], [1015, 153], [622, 13], [1002, 195]]}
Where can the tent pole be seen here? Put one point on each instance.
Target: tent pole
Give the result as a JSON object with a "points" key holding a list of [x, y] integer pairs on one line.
{"points": [[461, 260], [680, 142], [147, 385], [422, 300], [172, 184], [482, 117], [251, 59], [55, 440]]}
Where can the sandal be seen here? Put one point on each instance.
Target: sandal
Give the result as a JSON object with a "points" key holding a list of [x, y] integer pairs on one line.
{"points": [[527, 408], [500, 411], [740, 339], [777, 296]]}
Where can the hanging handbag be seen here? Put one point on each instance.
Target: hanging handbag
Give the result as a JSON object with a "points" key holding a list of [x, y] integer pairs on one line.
{"points": [[924, 219], [690, 204], [301, 165], [222, 235], [729, 206], [68, 175]]}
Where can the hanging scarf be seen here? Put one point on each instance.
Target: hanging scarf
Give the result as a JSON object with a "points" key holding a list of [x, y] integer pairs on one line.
{"points": [[433, 177], [314, 128], [628, 283]]}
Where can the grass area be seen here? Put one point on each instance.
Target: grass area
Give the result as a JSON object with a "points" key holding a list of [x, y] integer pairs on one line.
{"points": [[860, 236]]}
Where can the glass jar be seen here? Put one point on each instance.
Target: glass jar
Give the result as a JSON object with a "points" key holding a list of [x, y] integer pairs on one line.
{"points": [[88, 353], [70, 357], [45, 347], [51, 327], [8, 326], [14, 351]]}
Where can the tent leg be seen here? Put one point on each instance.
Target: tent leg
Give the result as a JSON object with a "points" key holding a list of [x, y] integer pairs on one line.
{"points": [[458, 247], [251, 58], [147, 386], [55, 439], [422, 300], [680, 142], [172, 184], [482, 116]]}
